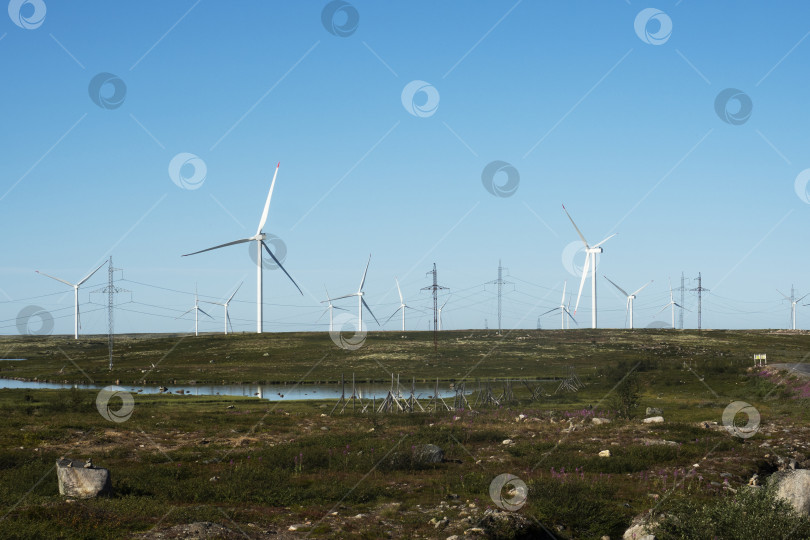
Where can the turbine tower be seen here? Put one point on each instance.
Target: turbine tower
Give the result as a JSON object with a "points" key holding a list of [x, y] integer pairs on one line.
{"points": [[225, 305], [197, 310], [590, 262], [793, 303], [76, 315], [259, 239], [440, 313], [630, 298], [360, 300], [563, 309], [672, 304]]}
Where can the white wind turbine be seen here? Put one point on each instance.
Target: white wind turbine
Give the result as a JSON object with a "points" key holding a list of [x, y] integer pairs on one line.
{"points": [[197, 310], [360, 300], [563, 309], [402, 306], [672, 304], [440, 313], [568, 309], [630, 298], [225, 305], [329, 308], [76, 315], [259, 239], [793, 302], [590, 262]]}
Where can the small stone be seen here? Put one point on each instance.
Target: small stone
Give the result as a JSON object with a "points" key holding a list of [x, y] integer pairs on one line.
{"points": [[604, 453], [266, 354], [600, 421], [508, 441], [654, 411], [653, 420]]}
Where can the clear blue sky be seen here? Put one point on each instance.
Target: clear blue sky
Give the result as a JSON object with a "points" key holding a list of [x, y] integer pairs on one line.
{"points": [[622, 131]]}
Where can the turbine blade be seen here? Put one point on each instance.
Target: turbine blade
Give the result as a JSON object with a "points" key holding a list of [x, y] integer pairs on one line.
{"points": [[282, 268], [203, 312], [445, 302], [234, 294], [322, 314], [665, 307], [401, 301], [565, 284], [242, 241], [584, 276], [189, 311], [228, 319], [802, 298], [571, 316], [88, 276], [267, 202], [642, 288], [369, 310], [363, 281], [550, 311], [575, 226], [346, 296], [620, 289], [392, 315], [56, 278], [605, 240]]}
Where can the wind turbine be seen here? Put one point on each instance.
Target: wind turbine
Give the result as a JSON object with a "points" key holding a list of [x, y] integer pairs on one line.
{"points": [[440, 313], [329, 308], [672, 304], [563, 309], [793, 303], [630, 298], [568, 321], [590, 261], [259, 239], [225, 305], [197, 310], [76, 316], [360, 300], [402, 306]]}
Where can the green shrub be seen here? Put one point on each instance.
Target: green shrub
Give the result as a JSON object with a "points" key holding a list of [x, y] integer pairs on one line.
{"points": [[750, 513]]}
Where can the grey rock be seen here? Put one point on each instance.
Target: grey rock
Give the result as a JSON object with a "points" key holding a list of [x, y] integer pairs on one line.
{"points": [[654, 411], [428, 454], [640, 529], [794, 487], [499, 524], [77, 479]]}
